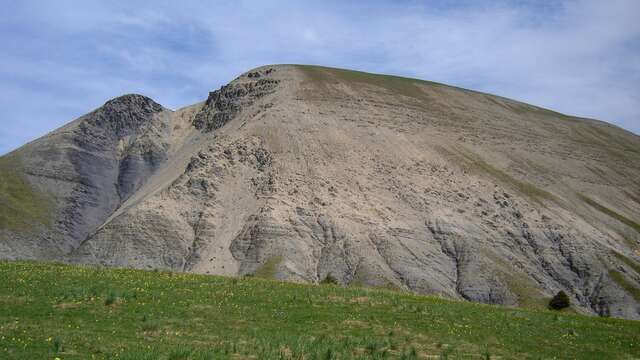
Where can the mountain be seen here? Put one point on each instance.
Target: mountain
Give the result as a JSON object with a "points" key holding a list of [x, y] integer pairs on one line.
{"points": [[301, 172]]}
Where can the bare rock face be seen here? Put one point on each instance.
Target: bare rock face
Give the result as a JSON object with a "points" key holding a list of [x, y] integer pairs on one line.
{"points": [[301, 172], [224, 104]]}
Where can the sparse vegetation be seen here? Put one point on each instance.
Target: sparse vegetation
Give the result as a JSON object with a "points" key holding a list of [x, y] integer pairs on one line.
{"points": [[269, 268], [529, 296], [21, 205], [530, 166], [188, 316], [396, 85], [629, 262], [615, 145], [625, 284], [475, 163], [527, 189], [633, 197], [605, 210], [629, 241]]}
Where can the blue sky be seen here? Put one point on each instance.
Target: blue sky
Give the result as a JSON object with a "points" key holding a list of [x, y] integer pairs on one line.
{"points": [[61, 59]]}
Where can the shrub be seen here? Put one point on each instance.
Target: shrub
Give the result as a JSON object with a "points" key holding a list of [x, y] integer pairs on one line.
{"points": [[329, 280], [560, 301]]}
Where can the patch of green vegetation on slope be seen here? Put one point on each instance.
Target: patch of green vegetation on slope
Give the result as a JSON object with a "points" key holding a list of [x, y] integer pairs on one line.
{"points": [[633, 244], [611, 213], [609, 139], [359, 281], [529, 165], [398, 90], [629, 262], [528, 294], [394, 84], [79, 312], [475, 162], [322, 76], [21, 205], [269, 269], [527, 189], [528, 109], [627, 285], [615, 145]]}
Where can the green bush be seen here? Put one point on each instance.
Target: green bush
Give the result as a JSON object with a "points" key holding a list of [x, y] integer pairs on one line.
{"points": [[560, 301]]}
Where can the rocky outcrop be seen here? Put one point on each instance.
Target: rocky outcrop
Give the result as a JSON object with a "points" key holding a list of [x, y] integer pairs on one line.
{"points": [[223, 104]]}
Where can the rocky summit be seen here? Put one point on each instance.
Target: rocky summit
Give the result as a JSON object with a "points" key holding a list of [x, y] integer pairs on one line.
{"points": [[304, 172]]}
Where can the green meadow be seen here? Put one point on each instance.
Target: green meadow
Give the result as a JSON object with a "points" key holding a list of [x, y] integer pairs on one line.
{"points": [[55, 311]]}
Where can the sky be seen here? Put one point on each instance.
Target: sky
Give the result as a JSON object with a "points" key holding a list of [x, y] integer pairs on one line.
{"points": [[61, 59]]}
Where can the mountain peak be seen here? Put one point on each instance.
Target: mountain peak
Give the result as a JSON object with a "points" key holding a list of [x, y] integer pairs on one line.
{"points": [[133, 101]]}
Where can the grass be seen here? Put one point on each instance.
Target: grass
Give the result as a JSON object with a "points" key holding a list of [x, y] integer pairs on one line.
{"points": [[21, 205], [605, 210], [54, 310]]}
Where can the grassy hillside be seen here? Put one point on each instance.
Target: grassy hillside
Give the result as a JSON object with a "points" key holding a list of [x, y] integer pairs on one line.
{"points": [[76, 312]]}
